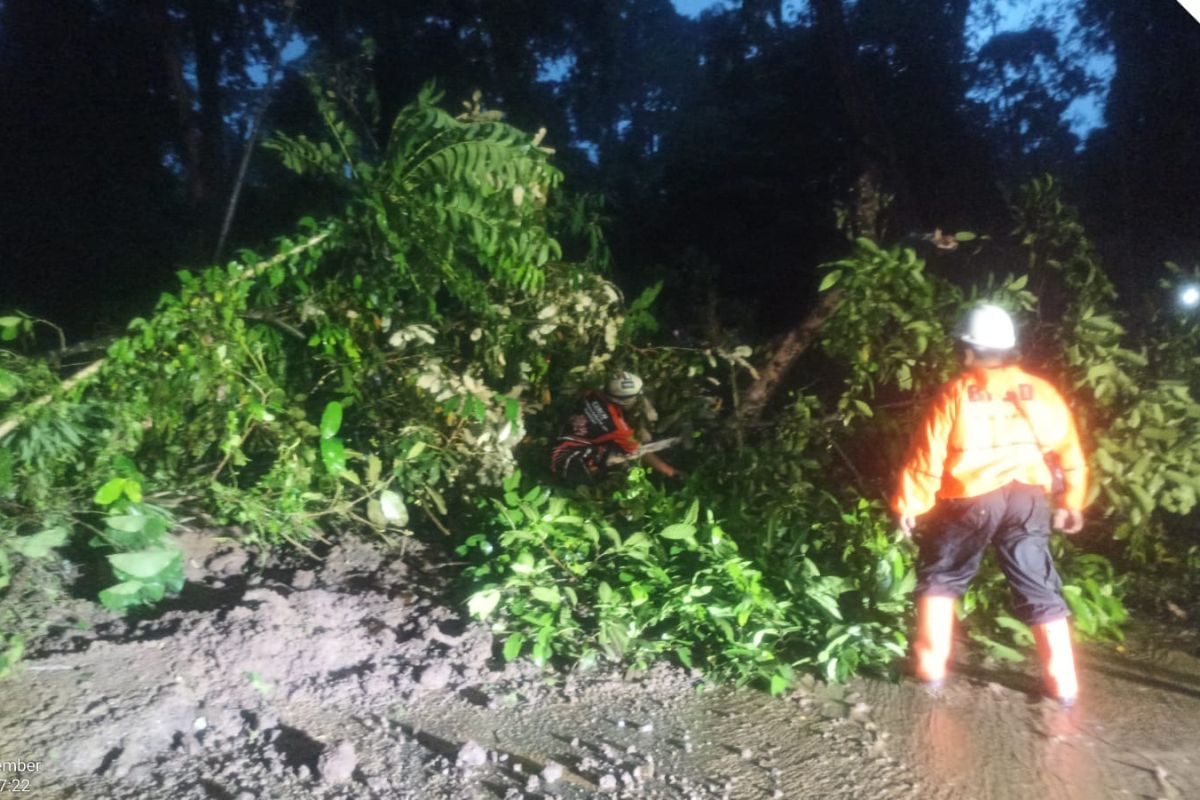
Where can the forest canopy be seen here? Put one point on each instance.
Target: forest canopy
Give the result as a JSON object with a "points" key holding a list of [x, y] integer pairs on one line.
{"points": [[723, 144]]}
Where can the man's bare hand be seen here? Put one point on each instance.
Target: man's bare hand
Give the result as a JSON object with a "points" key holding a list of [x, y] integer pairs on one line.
{"points": [[1068, 520], [906, 523]]}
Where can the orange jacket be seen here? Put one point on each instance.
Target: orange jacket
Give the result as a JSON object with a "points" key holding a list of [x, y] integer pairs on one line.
{"points": [[974, 440]]}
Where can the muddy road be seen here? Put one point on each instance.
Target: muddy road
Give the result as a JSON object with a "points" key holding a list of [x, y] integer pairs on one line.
{"points": [[347, 684]]}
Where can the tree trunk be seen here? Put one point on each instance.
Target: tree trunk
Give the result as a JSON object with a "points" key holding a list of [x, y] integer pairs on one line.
{"points": [[875, 158], [202, 14], [285, 33], [875, 154], [189, 134], [790, 348]]}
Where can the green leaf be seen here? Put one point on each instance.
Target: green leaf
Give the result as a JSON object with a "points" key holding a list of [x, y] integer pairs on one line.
{"points": [[331, 420], [375, 513], [333, 454], [1021, 632], [128, 523], [685, 656], [14, 650], [997, 650], [40, 544], [512, 410], [144, 565], [393, 508], [126, 594], [680, 530], [483, 603], [965, 236], [10, 384], [260, 685], [437, 499], [374, 468], [541, 649], [1144, 499], [513, 645], [779, 684], [830, 280], [547, 594], [1085, 617], [110, 492], [826, 602], [613, 639]]}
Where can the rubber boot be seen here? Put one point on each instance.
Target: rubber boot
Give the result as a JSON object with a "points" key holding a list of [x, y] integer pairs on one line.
{"points": [[1058, 660], [935, 627]]}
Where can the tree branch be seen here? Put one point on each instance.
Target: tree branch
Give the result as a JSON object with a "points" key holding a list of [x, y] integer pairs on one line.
{"points": [[794, 344], [13, 422]]}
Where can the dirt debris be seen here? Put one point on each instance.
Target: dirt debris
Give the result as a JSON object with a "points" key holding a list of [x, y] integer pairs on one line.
{"points": [[336, 765], [343, 682]]}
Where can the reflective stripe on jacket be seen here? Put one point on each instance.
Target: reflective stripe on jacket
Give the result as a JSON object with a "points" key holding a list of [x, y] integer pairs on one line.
{"points": [[975, 439]]}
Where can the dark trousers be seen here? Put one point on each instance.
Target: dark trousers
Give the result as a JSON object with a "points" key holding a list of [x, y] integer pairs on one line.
{"points": [[1016, 519]]}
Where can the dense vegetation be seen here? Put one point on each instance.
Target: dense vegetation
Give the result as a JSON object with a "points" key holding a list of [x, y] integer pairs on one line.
{"points": [[387, 368]]}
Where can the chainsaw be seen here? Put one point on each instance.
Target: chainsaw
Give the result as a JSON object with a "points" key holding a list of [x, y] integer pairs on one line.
{"points": [[649, 447]]}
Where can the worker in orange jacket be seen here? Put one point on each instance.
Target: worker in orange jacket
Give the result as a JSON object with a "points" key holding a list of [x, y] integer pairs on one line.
{"points": [[597, 435], [981, 470]]}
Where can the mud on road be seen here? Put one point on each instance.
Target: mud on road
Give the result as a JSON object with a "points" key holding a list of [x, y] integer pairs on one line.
{"points": [[358, 682]]}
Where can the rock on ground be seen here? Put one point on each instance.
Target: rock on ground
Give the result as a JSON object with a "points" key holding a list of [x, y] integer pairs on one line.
{"points": [[337, 764]]}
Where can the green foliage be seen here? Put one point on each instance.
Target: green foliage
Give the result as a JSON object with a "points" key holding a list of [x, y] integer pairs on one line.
{"points": [[449, 192], [892, 328], [648, 572], [1135, 397], [380, 370], [372, 365], [1132, 397]]}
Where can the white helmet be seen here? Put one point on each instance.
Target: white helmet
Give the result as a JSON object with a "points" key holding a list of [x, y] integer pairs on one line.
{"points": [[988, 327], [624, 388]]}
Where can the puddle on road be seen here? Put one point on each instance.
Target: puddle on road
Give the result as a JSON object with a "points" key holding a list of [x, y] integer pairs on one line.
{"points": [[987, 735], [1133, 732]]}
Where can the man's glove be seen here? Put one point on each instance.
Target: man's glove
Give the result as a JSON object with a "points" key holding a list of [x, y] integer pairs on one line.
{"points": [[906, 523], [1068, 520]]}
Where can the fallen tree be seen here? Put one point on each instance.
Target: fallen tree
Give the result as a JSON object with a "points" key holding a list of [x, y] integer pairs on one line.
{"points": [[387, 370]]}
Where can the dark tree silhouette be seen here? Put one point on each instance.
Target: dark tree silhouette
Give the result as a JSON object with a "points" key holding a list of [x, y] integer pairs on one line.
{"points": [[731, 149]]}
